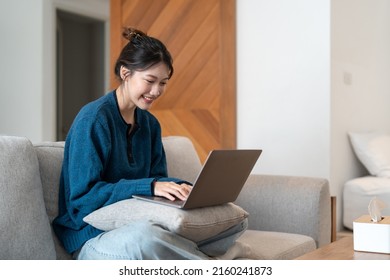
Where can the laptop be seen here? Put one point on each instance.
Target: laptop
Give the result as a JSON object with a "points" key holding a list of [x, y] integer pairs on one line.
{"points": [[220, 181]]}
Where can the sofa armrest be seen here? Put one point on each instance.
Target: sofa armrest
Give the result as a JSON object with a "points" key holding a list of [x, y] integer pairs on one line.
{"points": [[289, 204]]}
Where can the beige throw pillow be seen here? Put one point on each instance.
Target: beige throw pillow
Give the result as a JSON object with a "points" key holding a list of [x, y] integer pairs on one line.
{"points": [[194, 224]]}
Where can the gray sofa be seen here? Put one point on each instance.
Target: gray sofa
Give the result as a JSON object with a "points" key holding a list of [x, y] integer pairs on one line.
{"points": [[288, 216]]}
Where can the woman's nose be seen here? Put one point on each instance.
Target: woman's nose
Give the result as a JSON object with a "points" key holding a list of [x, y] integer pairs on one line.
{"points": [[156, 91]]}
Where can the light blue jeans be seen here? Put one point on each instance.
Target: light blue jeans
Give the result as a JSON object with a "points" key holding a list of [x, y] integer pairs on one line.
{"points": [[149, 241]]}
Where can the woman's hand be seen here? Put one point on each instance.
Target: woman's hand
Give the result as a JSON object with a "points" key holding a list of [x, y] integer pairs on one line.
{"points": [[171, 190]]}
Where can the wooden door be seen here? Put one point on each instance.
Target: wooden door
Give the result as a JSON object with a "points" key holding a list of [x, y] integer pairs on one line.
{"points": [[200, 100]]}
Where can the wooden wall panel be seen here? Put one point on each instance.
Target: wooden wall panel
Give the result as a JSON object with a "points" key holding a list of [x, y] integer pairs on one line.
{"points": [[200, 100]]}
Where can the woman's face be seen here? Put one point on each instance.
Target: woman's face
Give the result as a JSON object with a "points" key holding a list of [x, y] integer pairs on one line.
{"points": [[144, 87]]}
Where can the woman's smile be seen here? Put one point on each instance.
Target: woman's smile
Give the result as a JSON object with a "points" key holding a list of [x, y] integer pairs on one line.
{"points": [[148, 99]]}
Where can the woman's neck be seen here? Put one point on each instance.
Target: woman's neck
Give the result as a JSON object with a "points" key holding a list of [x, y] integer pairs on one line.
{"points": [[126, 108]]}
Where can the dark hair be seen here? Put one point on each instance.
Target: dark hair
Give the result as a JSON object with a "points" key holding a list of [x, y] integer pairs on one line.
{"points": [[142, 52]]}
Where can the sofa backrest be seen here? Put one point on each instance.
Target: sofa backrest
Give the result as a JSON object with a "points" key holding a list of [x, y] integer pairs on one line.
{"points": [[50, 156], [182, 158]]}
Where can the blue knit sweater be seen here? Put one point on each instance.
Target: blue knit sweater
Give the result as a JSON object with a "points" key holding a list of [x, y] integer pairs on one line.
{"points": [[103, 164]]}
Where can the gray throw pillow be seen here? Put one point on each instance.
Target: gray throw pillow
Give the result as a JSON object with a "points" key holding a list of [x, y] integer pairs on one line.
{"points": [[194, 224]]}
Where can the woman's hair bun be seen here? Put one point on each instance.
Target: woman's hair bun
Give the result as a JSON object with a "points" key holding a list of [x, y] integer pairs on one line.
{"points": [[129, 33], [141, 52]]}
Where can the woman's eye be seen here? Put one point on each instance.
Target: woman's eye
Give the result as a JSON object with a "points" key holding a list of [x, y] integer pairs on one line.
{"points": [[149, 81]]}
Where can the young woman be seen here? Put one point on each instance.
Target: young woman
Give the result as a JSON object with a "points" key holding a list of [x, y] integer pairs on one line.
{"points": [[113, 151]]}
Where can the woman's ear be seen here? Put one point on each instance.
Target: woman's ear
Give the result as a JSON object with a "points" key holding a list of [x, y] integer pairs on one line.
{"points": [[124, 72]]}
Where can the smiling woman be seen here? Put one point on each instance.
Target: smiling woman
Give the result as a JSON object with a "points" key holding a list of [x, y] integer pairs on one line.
{"points": [[118, 143], [140, 89], [144, 67]]}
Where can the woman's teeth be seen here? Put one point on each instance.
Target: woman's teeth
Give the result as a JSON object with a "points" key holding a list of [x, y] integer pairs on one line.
{"points": [[148, 98]]}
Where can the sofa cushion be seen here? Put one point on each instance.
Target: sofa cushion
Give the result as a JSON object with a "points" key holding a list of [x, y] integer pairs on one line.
{"points": [[25, 230], [195, 224], [267, 245]]}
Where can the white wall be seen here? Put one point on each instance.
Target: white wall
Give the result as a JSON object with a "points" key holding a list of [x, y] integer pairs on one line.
{"points": [[21, 68], [308, 73], [283, 84], [27, 68], [360, 81]]}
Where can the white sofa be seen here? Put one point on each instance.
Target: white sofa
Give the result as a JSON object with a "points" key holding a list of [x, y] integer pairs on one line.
{"points": [[372, 150], [288, 216]]}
